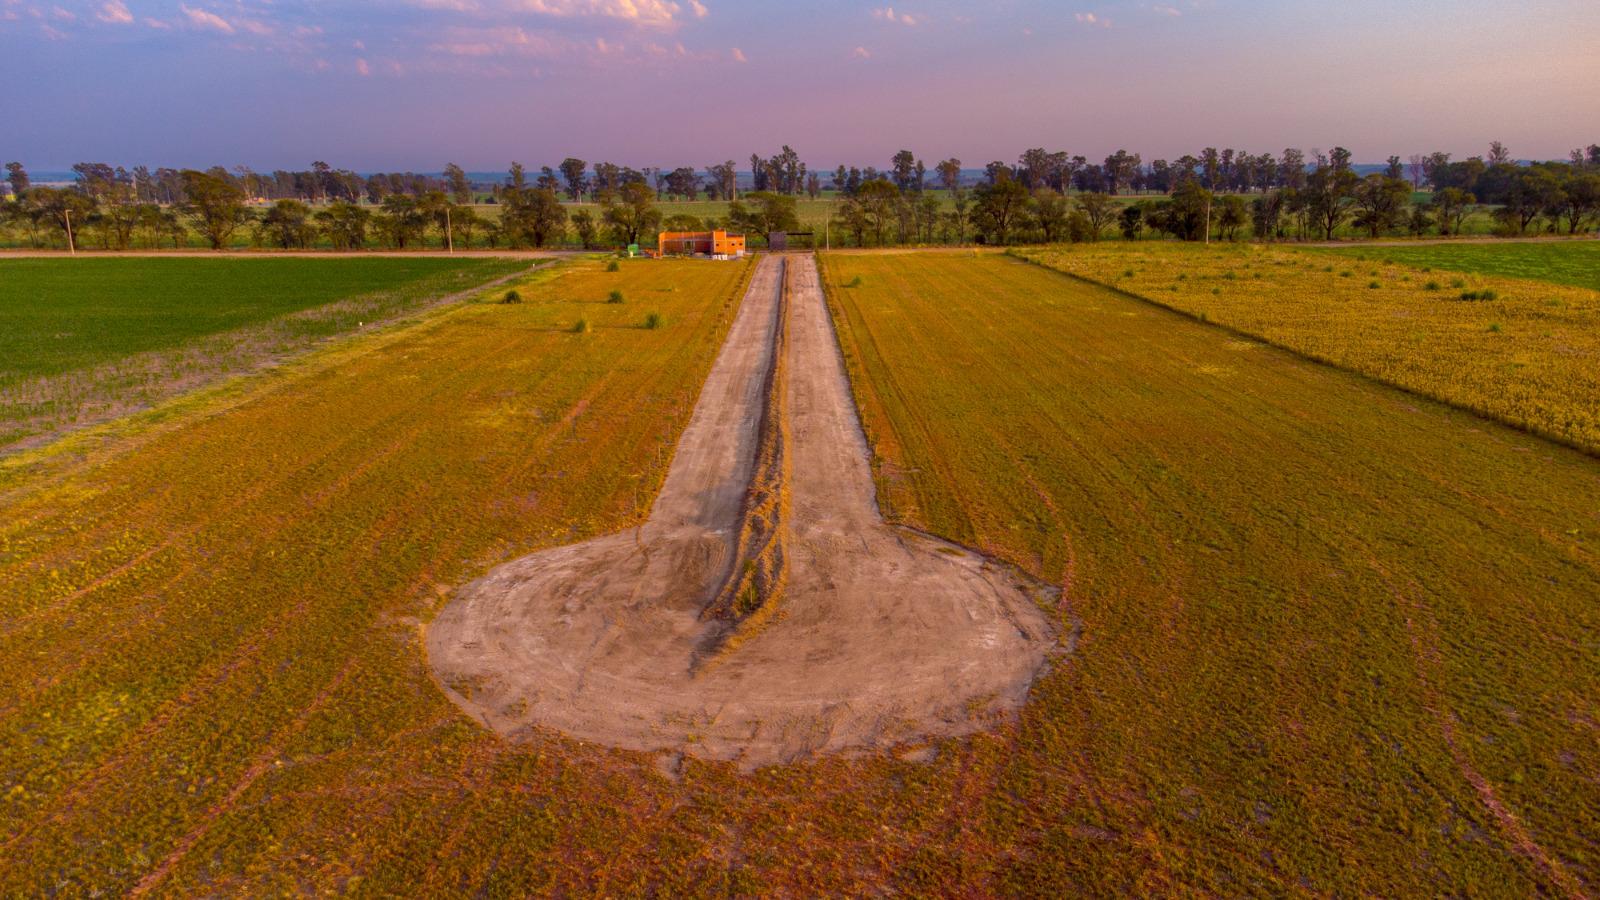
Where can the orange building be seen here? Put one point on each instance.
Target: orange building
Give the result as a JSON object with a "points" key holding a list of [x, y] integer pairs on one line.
{"points": [[715, 244]]}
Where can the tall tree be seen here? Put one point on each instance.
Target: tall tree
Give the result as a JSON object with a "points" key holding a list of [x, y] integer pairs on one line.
{"points": [[1050, 212], [878, 200], [217, 203], [1380, 202], [997, 207], [1452, 204], [572, 170], [67, 210], [949, 174], [903, 167], [763, 212], [287, 224], [1327, 197], [17, 177], [455, 179], [632, 212], [1099, 210]]}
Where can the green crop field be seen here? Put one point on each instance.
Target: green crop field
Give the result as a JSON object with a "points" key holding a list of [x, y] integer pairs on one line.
{"points": [[84, 336], [1335, 639], [1563, 262], [60, 314]]}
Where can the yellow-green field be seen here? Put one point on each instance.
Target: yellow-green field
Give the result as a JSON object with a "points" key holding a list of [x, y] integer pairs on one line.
{"points": [[1521, 351], [1334, 638], [1331, 637], [209, 623]]}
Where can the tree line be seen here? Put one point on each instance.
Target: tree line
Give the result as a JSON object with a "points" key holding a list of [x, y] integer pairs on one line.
{"points": [[1045, 196]]}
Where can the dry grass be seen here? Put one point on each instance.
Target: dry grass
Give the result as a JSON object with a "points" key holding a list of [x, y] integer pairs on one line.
{"points": [[1529, 357], [1335, 639]]}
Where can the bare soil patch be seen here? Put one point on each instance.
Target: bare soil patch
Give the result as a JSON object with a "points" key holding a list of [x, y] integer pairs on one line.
{"points": [[840, 633]]}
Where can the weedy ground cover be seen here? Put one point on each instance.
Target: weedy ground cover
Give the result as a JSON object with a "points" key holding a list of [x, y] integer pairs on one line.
{"points": [[1563, 262], [1334, 638], [210, 614], [1524, 352], [82, 339]]}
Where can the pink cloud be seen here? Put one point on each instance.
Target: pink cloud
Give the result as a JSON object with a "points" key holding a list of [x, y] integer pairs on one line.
{"points": [[115, 12], [200, 18]]}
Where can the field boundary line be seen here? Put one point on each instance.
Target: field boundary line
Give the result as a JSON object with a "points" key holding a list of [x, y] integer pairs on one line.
{"points": [[109, 437], [1234, 331]]}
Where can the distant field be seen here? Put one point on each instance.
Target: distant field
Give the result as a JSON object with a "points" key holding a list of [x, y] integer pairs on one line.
{"points": [[1528, 355], [82, 335], [1564, 262], [1335, 639], [57, 315]]}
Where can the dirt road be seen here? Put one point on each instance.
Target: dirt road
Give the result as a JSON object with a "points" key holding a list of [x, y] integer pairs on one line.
{"points": [[880, 637]]}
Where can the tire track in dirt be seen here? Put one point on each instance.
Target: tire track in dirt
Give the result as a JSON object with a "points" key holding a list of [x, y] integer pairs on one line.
{"points": [[880, 636]]}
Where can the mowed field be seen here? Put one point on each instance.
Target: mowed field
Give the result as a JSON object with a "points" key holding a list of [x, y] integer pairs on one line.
{"points": [[80, 338], [1565, 262], [1522, 351], [1333, 638], [214, 679]]}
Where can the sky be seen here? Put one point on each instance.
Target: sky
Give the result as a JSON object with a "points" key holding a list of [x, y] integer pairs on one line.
{"points": [[413, 84]]}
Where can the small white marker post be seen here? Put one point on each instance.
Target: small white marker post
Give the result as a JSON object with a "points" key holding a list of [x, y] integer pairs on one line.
{"points": [[72, 246]]}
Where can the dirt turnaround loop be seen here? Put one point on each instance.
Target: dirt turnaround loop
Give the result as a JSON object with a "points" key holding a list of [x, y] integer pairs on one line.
{"points": [[765, 612]]}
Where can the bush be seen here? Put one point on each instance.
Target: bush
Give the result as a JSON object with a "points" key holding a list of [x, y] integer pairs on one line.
{"points": [[854, 282], [1479, 295], [653, 321], [1494, 327], [613, 266], [581, 327], [1431, 286], [615, 297], [511, 297], [1373, 285]]}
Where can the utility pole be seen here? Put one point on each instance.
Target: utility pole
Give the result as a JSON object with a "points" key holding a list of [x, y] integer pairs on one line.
{"points": [[72, 245]]}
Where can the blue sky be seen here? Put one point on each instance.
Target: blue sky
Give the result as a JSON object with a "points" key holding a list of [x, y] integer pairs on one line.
{"points": [[415, 83]]}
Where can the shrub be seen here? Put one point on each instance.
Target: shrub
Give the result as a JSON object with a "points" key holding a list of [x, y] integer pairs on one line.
{"points": [[854, 282], [1494, 327], [1479, 295], [613, 266], [1373, 285], [581, 326], [1431, 286], [615, 297], [653, 321], [511, 297]]}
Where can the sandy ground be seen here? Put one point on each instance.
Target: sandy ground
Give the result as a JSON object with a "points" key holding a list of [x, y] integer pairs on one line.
{"points": [[882, 637]]}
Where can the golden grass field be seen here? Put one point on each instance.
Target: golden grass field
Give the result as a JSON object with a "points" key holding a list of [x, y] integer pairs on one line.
{"points": [[1335, 638], [1331, 637], [1530, 356]]}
